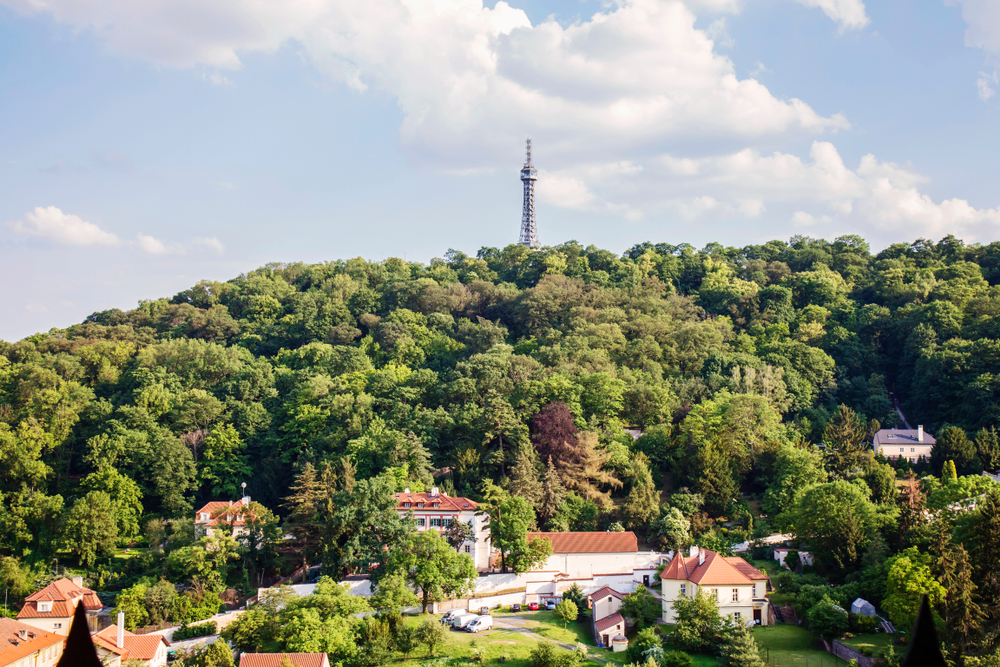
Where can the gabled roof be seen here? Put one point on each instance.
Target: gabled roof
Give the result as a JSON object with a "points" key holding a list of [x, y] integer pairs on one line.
{"points": [[715, 571], [214, 508], [61, 593], [604, 591], [445, 503], [14, 647], [136, 647], [274, 659], [902, 436], [597, 542], [609, 622]]}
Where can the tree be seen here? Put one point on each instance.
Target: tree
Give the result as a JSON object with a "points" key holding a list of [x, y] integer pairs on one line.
{"points": [[576, 596], [431, 633], [697, 622], [574, 454], [985, 552], [672, 530], [459, 532], [250, 631], [126, 499], [132, 602], [510, 518], [430, 565], [391, 596], [643, 501], [303, 523], [739, 648], [405, 640], [641, 607], [794, 469], [224, 465], [988, 448], [89, 533], [953, 444], [826, 619], [948, 473], [524, 479], [961, 612], [566, 611], [552, 494], [909, 579], [847, 452]]}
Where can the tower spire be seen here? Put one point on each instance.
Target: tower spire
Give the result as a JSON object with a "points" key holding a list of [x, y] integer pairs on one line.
{"points": [[529, 231]]}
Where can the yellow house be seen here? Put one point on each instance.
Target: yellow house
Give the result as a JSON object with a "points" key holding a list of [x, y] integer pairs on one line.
{"points": [[738, 586]]}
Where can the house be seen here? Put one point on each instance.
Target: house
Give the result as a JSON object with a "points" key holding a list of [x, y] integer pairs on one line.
{"points": [[276, 659], [591, 554], [607, 623], [116, 644], [738, 586], [25, 645], [436, 511], [781, 553], [862, 607], [227, 513], [907, 444], [51, 609]]}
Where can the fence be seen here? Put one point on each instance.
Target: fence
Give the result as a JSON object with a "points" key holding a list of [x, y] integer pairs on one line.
{"points": [[845, 652]]}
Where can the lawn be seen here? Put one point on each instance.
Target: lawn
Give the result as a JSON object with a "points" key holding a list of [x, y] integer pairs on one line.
{"points": [[792, 646], [877, 641]]}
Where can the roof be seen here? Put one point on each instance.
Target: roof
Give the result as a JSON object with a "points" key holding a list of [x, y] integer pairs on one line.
{"points": [[444, 502], [274, 659], [715, 571], [609, 622], [61, 593], [13, 647], [902, 436], [590, 543], [605, 590], [136, 647], [214, 510]]}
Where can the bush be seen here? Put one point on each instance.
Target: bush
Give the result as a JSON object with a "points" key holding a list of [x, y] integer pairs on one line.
{"points": [[192, 631], [860, 623]]}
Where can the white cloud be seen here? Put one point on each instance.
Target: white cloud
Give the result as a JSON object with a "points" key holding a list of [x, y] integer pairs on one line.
{"points": [[982, 18], [850, 14], [985, 84], [472, 81], [718, 32], [217, 79], [211, 243], [152, 245], [52, 224]]}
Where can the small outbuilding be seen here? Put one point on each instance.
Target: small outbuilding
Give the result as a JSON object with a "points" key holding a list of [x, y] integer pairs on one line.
{"points": [[619, 643], [862, 607]]}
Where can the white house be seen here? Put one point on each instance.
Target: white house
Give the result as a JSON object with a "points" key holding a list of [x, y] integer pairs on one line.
{"points": [[781, 553], [116, 644], [51, 609], [908, 444], [608, 624], [23, 645], [436, 511], [738, 586], [231, 513]]}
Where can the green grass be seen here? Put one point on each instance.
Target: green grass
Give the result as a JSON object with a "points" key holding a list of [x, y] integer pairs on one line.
{"points": [[792, 646], [876, 641], [547, 625]]}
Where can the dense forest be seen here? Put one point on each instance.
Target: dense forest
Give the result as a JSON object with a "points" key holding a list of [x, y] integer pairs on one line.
{"points": [[755, 375]]}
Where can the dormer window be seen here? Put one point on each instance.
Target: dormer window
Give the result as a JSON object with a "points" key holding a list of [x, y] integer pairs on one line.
{"points": [[406, 504], [436, 505], [45, 607], [420, 505], [204, 516]]}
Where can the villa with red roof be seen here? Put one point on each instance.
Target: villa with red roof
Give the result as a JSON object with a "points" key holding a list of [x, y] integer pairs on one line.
{"points": [[738, 586], [436, 511], [115, 644], [51, 609], [228, 513], [23, 645]]}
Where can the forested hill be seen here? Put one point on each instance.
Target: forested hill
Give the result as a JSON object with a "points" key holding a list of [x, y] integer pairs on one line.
{"points": [[413, 368]]}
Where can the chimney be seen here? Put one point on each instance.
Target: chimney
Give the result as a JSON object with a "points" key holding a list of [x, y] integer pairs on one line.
{"points": [[121, 630], [701, 557], [78, 582], [920, 433], [694, 550], [406, 490], [434, 492], [246, 500], [23, 634]]}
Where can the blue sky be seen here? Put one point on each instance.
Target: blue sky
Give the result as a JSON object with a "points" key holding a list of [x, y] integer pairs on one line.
{"points": [[146, 146]]}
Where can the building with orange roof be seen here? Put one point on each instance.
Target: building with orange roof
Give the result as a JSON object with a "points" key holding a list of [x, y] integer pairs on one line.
{"points": [[437, 511], [276, 659], [738, 586], [222, 512], [25, 645], [51, 609], [115, 644]]}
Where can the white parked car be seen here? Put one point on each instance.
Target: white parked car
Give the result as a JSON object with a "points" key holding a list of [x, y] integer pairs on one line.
{"points": [[481, 623], [462, 621]]}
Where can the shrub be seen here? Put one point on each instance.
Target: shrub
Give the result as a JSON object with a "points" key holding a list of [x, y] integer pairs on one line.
{"points": [[192, 631]]}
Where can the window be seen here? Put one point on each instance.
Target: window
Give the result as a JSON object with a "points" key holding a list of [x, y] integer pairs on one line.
{"points": [[902, 449], [406, 504], [420, 523], [435, 523], [436, 505], [715, 594], [684, 590], [468, 549], [45, 606], [447, 523], [204, 516], [736, 616], [57, 626], [913, 449], [736, 595], [420, 504]]}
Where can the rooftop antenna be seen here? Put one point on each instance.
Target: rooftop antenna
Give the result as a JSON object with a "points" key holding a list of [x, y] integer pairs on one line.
{"points": [[529, 230]]}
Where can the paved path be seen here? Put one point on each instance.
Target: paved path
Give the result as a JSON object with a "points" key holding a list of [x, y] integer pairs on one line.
{"points": [[516, 624]]}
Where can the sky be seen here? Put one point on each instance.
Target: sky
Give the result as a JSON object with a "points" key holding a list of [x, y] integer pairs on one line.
{"points": [[145, 146]]}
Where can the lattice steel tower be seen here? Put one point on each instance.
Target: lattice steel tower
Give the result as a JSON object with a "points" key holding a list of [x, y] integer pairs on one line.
{"points": [[529, 231]]}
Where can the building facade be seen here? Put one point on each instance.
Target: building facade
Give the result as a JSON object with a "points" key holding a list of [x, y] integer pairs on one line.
{"points": [[116, 644], [739, 587], [51, 609], [911, 444], [437, 511], [23, 645], [220, 512]]}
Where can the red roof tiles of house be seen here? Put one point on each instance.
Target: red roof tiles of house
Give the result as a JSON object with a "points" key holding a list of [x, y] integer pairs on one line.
{"points": [[609, 622], [603, 591], [275, 659], [19, 640], [63, 595], [426, 501], [214, 510], [716, 570], [590, 543], [136, 647]]}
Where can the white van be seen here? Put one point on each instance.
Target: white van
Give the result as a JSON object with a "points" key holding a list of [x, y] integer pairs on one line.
{"points": [[449, 617], [461, 621], [481, 623]]}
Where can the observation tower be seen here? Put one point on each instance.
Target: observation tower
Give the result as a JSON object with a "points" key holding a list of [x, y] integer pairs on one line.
{"points": [[529, 231]]}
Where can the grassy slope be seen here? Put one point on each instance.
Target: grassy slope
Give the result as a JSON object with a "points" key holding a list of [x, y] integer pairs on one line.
{"points": [[788, 645]]}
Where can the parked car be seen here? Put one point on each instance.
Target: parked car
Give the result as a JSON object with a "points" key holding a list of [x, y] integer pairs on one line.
{"points": [[481, 623], [484, 611], [448, 618], [550, 605], [533, 606], [462, 621], [515, 607]]}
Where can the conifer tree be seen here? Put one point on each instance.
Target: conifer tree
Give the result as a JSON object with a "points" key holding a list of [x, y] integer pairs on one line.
{"points": [[643, 502], [986, 559], [948, 472], [524, 480], [302, 504], [740, 649], [988, 448], [552, 494]]}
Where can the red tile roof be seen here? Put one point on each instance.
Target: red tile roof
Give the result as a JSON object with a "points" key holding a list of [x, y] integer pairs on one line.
{"points": [[14, 647], [715, 571], [609, 622], [444, 502], [605, 590], [137, 647], [215, 511], [62, 593], [274, 659], [590, 543]]}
